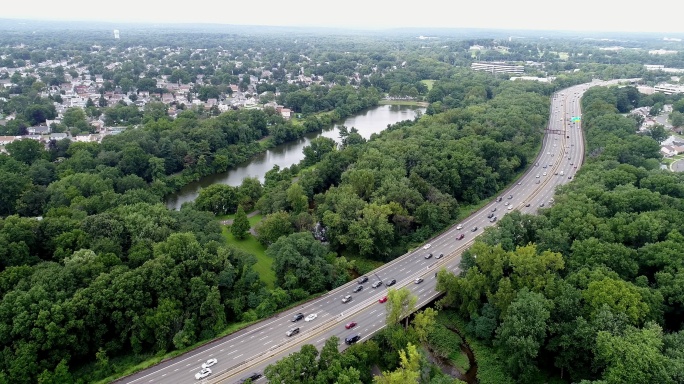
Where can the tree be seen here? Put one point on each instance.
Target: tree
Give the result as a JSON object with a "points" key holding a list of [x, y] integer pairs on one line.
{"points": [[424, 323], [408, 371], [27, 150], [273, 226], [658, 133], [522, 332], [240, 226], [400, 304]]}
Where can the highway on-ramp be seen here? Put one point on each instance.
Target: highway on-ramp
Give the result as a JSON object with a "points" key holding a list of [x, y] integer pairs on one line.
{"points": [[255, 347]]}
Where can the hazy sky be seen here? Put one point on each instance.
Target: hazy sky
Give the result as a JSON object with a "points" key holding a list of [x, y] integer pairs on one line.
{"points": [[583, 15]]}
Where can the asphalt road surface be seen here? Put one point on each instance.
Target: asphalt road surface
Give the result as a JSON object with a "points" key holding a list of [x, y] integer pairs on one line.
{"points": [[252, 349]]}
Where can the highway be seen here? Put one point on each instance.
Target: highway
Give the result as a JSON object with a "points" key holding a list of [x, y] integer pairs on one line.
{"points": [[252, 349]]}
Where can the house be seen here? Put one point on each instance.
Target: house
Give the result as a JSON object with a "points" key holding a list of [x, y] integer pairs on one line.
{"points": [[39, 130], [4, 140], [668, 150], [286, 113]]}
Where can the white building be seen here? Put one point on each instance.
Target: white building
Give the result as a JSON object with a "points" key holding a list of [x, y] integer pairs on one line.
{"points": [[497, 67]]}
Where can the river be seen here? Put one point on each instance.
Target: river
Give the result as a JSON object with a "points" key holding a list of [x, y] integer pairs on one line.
{"points": [[373, 120]]}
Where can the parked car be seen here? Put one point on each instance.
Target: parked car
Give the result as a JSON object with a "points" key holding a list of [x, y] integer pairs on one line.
{"points": [[297, 317], [382, 299], [362, 280], [352, 339], [292, 332], [350, 325], [346, 299], [209, 363]]}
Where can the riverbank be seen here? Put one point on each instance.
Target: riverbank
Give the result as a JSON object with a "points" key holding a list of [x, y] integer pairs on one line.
{"points": [[412, 103]]}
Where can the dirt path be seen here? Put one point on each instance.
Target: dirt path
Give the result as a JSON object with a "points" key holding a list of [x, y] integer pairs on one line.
{"points": [[230, 221]]}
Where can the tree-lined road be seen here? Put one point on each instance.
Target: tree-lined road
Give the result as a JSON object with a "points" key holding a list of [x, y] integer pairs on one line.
{"points": [[252, 349]]}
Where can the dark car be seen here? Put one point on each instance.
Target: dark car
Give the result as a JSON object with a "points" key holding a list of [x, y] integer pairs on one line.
{"points": [[429, 255], [377, 284], [391, 283], [358, 288], [460, 237], [498, 199], [352, 339], [362, 280], [490, 215], [292, 332], [298, 317], [494, 209], [474, 229], [253, 376], [493, 219]]}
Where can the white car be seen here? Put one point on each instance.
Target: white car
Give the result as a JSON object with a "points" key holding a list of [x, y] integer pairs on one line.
{"points": [[510, 207], [459, 227], [203, 373], [311, 317], [427, 246], [209, 363]]}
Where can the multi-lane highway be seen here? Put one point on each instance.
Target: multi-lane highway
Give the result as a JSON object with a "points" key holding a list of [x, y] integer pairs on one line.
{"points": [[252, 349]]}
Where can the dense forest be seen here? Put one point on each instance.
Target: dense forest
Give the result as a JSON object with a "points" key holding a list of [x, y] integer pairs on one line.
{"points": [[590, 289]]}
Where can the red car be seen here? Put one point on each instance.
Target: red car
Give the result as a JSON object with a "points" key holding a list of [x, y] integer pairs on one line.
{"points": [[350, 325], [460, 237], [384, 298]]}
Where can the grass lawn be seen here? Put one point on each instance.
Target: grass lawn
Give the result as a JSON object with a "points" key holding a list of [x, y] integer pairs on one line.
{"points": [[252, 246], [428, 83]]}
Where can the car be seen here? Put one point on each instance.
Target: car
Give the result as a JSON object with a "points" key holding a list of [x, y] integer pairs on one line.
{"points": [[506, 203], [362, 280], [346, 299], [391, 283], [544, 174], [292, 332], [382, 299], [544, 166], [377, 284], [352, 339], [418, 280], [313, 316], [493, 219], [439, 256], [474, 229], [541, 205], [575, 167], [519, 182], [527, 205], [571, 163], [203, 373], [510, 197], [358, 288], [569, 177], [494, 209], [498, 199], [254, 376], [459, 226], [460, 237], [548, 153], [536, 164], [490, 215], [350, 325], [510, 207], [209, 363], [297, 317], [556, 173], [429, 255], [537, 176], [427, 246], [537, 182], [568, 158]]}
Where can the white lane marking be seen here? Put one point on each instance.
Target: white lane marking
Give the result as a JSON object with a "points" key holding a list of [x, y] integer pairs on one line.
{"points": [[231, 353], [318, 341], [270, 341], [402, 270], [237, 356], [265, 337], [379, 314], [373, 311]]}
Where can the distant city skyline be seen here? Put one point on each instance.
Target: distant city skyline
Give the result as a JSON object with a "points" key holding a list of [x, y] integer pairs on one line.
{"points": [[578, 15]]}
